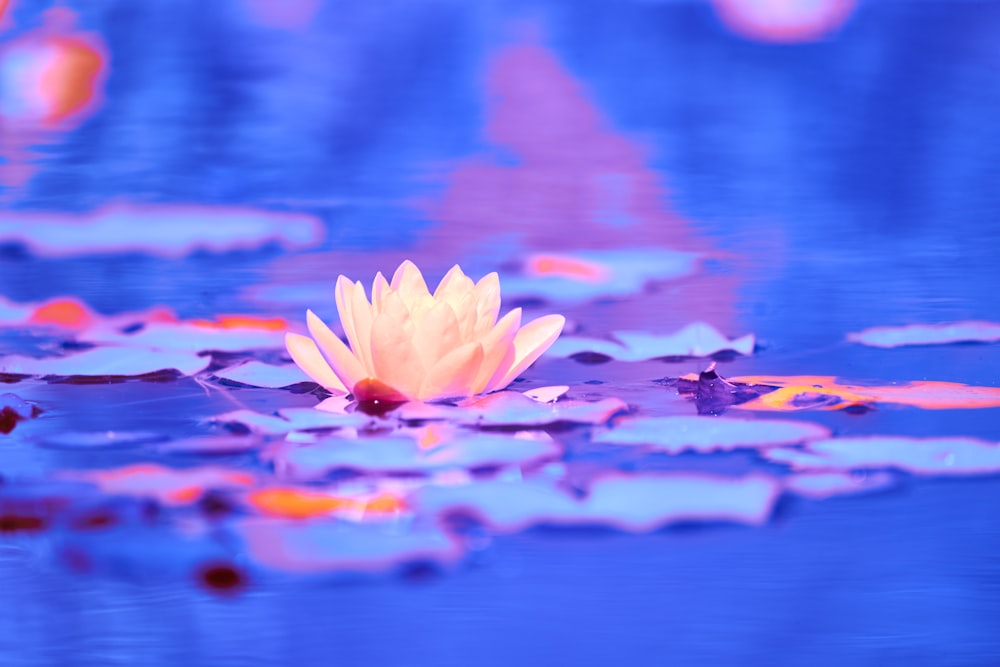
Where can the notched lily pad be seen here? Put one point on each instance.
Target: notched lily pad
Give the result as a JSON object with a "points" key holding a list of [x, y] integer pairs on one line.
{"points": [[430, 449], [509, 409], [340, 547], [105, 361], [695, 340], [971, 331], [707, 434], [922, 456], [632, 503]]}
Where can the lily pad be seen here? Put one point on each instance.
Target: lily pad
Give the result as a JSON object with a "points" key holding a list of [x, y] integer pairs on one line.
{"points": [[695, 340], [706, 434]]}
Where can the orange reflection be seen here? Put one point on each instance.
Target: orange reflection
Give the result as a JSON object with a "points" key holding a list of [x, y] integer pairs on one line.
{"points": [[299, 504], [244, 322], [800, 392], [66, 312], [566, 266]]}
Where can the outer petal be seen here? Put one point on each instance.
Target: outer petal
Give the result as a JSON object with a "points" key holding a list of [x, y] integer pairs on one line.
{"points": [[498, 351], [344, 293], [341, 360], [449, 282], [454, 374], [529, 344], [308, 357], [487, 293], [409, 283], [394, 356], [361, 310], [379, 287]]}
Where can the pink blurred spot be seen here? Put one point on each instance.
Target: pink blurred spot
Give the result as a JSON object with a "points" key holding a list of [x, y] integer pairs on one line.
{"points": [[286, 14], [786, 21], [568, 169]]}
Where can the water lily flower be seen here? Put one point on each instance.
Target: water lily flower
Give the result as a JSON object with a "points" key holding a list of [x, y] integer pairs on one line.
{"points": [[409, 344]]}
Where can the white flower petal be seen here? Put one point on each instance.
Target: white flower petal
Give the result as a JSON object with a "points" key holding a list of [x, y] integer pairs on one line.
{"points": [[529, 344], [498, 351], [436, 334], [342, 361], [409, 283], [345, 309], [454, 374], [379, 287], [396, 361], [307, 356], [447, 283], [487, 293], [361, 311]]}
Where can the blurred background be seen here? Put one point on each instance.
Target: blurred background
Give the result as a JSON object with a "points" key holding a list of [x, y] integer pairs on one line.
{"points": [[798, 169], [801, 143]]}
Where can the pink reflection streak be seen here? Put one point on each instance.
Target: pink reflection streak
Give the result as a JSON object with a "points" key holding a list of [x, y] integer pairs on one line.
{"points": [[559, 177], [570, 169], [786, 21], [287, 14]]}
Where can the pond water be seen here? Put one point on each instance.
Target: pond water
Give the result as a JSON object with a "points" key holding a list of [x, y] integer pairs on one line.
{"points": [[771, 228]]}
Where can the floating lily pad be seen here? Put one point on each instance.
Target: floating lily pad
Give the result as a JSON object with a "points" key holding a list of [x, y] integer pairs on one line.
{"points": [[344, 547], [596, 273], [165, 231], [634, 503], [171, 486], [508, 408], [402, 454], [257, 374], [695, 340], [188, 337], [292, 419], [928, 334], [924, 456], [819, 485], [706, 434], [110, 361]]}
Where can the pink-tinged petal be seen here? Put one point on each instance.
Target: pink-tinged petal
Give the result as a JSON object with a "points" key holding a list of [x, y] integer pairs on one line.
{"points": [[409, 283], [449, 284], [487, 293], [454, 374], [308, 357], [362, 313], [345, 309], [529, 344], [342, 361], [498, 351], [379, 287], [436, 334], [396, 360], [465, 309]]}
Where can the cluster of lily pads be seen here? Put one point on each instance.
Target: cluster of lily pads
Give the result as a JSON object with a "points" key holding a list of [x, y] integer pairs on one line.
{"points": [[294, 478]]}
